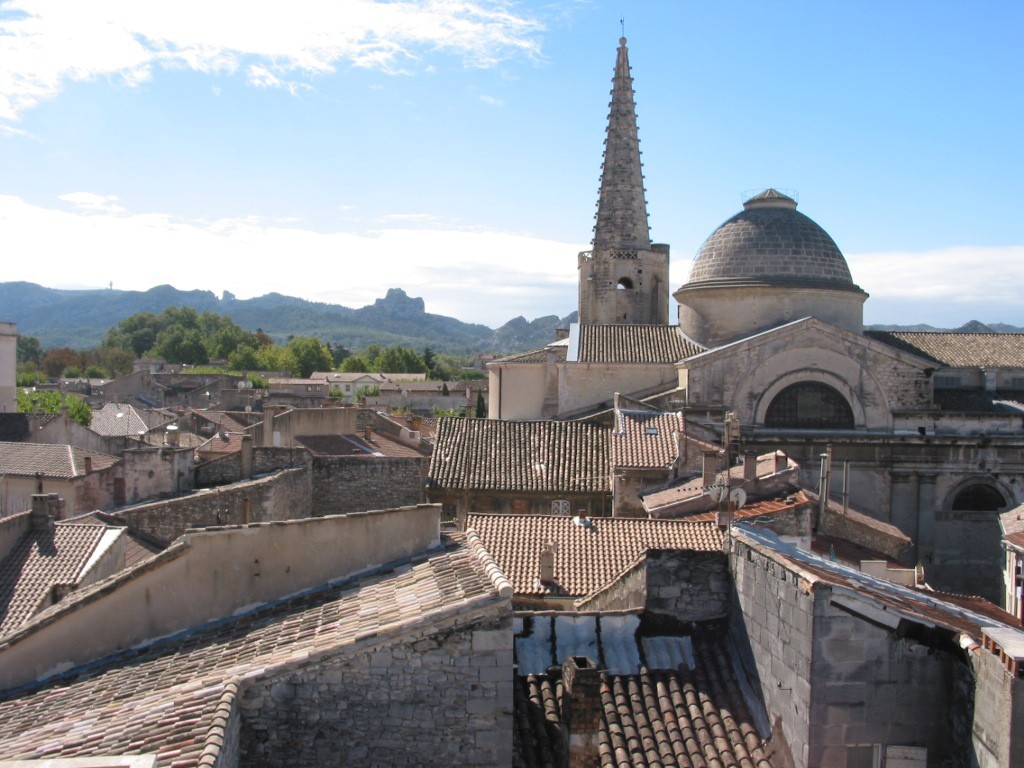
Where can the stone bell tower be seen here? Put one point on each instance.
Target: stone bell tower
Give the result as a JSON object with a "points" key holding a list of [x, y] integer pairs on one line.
{"points": [[624, 278]]}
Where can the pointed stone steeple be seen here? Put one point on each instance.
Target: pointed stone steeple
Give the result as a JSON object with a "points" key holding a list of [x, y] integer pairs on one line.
{"points": [[623, 279], [622, 205]]}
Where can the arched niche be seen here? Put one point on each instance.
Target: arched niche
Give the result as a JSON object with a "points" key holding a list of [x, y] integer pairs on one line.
{"points": [[813, 379], [809, 405]]}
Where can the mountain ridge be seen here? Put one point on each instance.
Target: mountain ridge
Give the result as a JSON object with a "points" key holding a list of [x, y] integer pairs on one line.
{"points": [[79, 318]]}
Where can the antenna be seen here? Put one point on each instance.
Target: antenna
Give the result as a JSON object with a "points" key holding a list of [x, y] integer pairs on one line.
{"points": [[622, 23]]}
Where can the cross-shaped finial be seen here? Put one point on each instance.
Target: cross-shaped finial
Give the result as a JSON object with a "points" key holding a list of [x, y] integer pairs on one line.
{"points": [[622, 23]]}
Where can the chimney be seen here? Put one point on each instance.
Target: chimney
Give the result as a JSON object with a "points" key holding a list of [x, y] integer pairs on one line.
{"points": [[547, 563], [39, 517], [749, 465], [367, 431], [781, 462], [171, 435], [88, 464], [710, 468], [581, 709]]}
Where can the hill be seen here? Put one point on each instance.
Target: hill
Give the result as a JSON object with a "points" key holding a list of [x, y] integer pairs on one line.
{"points": [[80, 318]]}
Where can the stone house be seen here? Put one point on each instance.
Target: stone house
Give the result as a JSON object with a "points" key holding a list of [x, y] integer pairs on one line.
{"points": [[84, 479], [541, 467], [282, 665]]}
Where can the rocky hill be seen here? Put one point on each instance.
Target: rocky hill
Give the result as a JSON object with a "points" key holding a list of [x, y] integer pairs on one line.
{"points": [[80, 318]]}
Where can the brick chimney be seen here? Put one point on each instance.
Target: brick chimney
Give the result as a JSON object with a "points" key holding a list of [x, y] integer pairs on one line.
{"points": [[581, 709]]}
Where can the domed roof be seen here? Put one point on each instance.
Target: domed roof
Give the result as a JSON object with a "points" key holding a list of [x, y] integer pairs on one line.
{"points": [[770, 243]]}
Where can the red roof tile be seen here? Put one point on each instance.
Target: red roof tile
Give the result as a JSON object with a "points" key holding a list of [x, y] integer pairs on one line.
{"points": [[958, 350], [541, 456], [645, 438], [49, 459], [634, 344], [588, 557]]}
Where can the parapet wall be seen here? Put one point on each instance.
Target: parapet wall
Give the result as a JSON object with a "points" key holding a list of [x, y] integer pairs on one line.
{"points": [[282, 496]]}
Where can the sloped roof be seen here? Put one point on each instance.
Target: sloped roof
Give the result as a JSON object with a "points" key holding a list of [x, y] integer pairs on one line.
{"points": [[975, 400], [588, 557], [958, 350], [118, 420], [173, 696], [538, 456], [222, 443], [537, 355], [43, 559], [634, 344], [49, 459], [645, 438], [657, 717], [13, 426], [375, 445]]}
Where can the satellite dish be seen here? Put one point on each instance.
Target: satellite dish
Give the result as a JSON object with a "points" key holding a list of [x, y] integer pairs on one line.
{"points": [[717, 492], [738, 497]]}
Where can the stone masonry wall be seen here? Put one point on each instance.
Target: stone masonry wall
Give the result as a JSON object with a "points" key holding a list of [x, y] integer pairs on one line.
{"points": [[771, 624], [997, 730], [228, 469], [282, 496], [871, 687], [439, 696], [355, 484], [689, 586]]}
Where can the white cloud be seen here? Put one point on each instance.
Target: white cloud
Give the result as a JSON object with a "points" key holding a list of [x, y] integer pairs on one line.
{"points": [[481, 277], [491, 101], [47, 43]]}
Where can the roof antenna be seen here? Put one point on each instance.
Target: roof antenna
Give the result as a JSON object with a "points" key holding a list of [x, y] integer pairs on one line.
{"points": [[622, 23]]}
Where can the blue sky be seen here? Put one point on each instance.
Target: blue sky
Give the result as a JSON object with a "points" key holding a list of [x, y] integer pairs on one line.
{"points": [[452, 147]]}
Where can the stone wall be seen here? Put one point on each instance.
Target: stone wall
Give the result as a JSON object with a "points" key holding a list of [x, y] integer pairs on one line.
{"points": [[998, 729], [440, 695], [866, 531], [356, 483], [771, 625], [282, 496], [689, 586]]}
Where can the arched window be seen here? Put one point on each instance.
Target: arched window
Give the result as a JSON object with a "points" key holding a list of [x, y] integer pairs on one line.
{"points": [[809, 405], [625, 284], [979, 497]]}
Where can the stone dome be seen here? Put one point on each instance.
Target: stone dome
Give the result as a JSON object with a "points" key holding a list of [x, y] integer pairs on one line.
{"points": [[769, 243]]}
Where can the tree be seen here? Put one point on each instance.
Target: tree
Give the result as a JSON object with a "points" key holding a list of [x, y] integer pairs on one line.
{"points": [[399, 360], [481, 406], [29, 350], [310, 355], [50, 401], [355, 364], [57, 359], [179, 344]]}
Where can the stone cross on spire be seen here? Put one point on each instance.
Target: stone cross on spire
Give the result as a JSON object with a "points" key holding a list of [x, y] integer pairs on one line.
{"points": [[621, 204]]}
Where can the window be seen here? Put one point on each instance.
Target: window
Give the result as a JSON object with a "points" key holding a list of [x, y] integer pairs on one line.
{"points": [[947, 381], [809, 405], [979, 497], [560, 507], [625, 284]]}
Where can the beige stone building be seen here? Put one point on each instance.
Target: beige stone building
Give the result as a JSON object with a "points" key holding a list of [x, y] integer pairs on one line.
{"points": [[926, 429]]}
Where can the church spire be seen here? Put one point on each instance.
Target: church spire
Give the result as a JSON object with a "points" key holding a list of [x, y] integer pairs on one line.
{"points": [[621, 204]]}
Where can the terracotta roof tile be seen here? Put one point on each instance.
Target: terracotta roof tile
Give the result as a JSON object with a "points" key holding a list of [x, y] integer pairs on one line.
{"points": [[958, 350], [42, 560], [537, 355], [973, 401], [49, 459], [588, 557], [486, 454], [357, 445], [644, 438], [634, 344], [165, 698], [655, 718], [107, 421]]}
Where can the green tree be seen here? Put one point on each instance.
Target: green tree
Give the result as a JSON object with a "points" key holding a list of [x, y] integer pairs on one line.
{"points": [[244, 358], [50, 401], [56, 360], [399, 360], [310, 355], [481, 406], [29, 350], [355, 364], [180, 344]]}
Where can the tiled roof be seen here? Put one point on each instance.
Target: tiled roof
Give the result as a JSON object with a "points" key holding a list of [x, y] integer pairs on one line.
{"points": [[41, 560], [644, 438], [973, 401], [539, 456], [226, 420], [106, 421], [634, 344], [666, 717], [167, 697], [1012, 524], [754, 509], [356, 445], [695, 487], [959, 350], [221, 443], [49, 459], [588, 557], [537, 355]]}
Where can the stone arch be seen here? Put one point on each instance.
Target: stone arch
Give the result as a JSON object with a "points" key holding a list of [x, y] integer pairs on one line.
{"points": [[810, 376], [978, 494], [624, 284], [809, 405]]}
